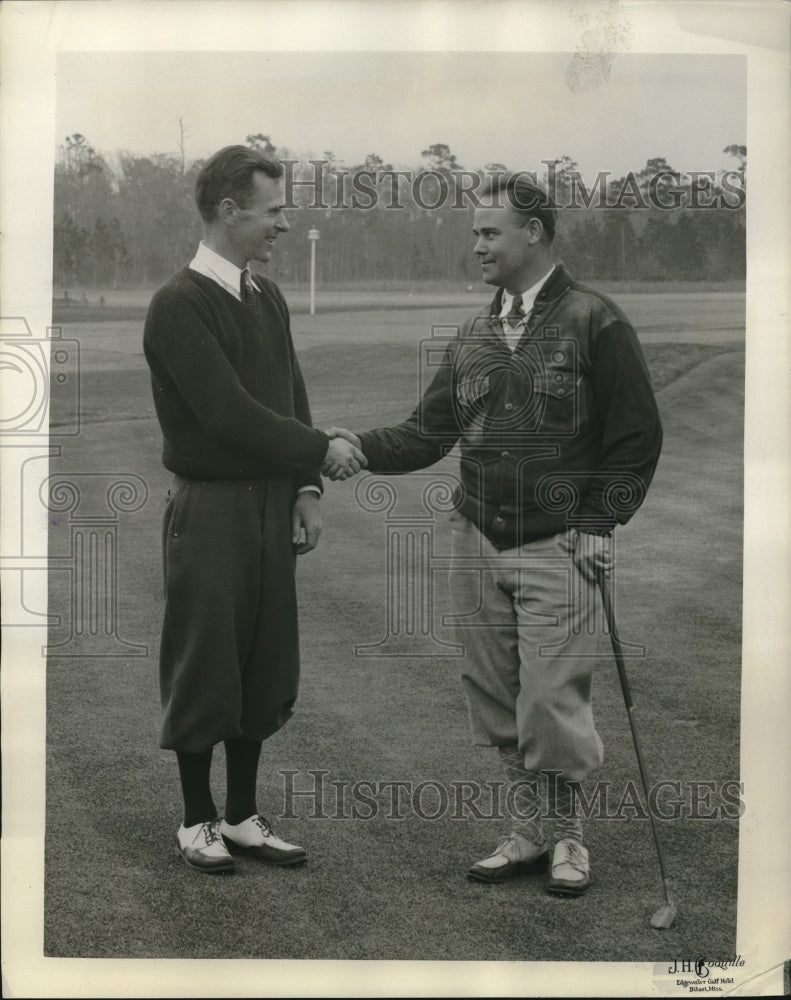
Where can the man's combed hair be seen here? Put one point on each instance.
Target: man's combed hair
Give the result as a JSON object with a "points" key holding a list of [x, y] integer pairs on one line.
{"points": [[520, 192], [229, 174]]}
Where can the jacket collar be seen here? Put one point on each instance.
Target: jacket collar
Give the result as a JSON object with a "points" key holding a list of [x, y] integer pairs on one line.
{"points": [[555, 285]]}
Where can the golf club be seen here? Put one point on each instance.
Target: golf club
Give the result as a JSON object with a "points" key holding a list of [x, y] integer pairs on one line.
{"points": [[666, 914]]}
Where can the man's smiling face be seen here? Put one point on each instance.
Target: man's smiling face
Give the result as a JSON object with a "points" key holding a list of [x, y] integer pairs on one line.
{"points": [[504, 246], [261, 221]]}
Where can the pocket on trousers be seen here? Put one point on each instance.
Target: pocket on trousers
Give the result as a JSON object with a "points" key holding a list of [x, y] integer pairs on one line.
{"points": [[567, 540], [178, 507], [456, 519]]}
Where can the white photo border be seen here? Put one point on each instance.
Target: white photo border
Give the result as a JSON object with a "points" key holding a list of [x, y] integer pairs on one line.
{"points": [[33, 33]]}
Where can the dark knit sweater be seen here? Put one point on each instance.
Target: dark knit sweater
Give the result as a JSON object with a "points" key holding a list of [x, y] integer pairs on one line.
{"points": [[228, 390]]}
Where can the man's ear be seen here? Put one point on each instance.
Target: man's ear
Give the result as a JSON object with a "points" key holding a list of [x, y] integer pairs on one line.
{"points": [[226, 211], [535, 230]]}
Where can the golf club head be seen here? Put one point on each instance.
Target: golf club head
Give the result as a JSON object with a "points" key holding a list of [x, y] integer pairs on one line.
{"points": [[665, 916]]}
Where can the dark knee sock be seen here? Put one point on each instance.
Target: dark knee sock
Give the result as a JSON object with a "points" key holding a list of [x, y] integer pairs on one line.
{"points": [[194, 770], [241, 768]]}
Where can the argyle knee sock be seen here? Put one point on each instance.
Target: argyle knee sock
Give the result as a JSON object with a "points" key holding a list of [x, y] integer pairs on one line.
{"points": [[194, 771], [241, 769], [524, 796]]}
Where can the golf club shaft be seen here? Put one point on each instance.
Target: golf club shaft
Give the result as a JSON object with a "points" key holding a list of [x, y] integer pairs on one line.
{"points": [[606, 593]]}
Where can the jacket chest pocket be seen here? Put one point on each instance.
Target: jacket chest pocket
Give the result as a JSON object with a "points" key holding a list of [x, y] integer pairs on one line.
{"points": [[471, 390], [560, 401], [472, 400]]}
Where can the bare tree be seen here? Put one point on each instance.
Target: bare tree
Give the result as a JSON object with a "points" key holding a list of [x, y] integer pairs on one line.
{"points": [[183, 134], [262, 142]]}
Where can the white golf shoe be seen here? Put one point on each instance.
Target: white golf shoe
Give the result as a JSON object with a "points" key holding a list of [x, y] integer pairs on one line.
{"points": [[255, 838], [512, 855], [201, 847], [570, 871]]}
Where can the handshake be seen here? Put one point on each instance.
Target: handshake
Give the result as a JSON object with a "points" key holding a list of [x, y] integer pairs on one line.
{"points": [[344, 458]]}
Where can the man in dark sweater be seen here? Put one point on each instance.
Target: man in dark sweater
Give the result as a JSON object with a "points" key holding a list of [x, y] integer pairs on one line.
{"points": [[246, 466], [548, 395]]}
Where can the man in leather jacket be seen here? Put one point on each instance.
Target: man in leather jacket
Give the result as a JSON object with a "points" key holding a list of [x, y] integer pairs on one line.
{"points": [[547, 394]]}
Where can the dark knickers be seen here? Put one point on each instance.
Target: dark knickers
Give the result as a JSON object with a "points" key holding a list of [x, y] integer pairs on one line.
{"points": [[229, 657]]}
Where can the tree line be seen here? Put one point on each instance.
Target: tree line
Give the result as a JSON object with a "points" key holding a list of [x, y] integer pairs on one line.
{"points": [[133, 221]]}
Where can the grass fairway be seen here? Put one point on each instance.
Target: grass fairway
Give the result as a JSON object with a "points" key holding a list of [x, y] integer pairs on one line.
{"points": [[384, 887]]}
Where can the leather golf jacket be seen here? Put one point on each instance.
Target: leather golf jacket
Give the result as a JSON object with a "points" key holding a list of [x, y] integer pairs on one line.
{"points": [[563, 431]]}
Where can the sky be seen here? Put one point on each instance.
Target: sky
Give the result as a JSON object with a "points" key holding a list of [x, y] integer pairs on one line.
{"points": [[515, 108]]}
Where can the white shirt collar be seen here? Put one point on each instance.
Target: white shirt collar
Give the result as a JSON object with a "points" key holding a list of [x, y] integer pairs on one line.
{"points": [[219, 269], [528, 297]]}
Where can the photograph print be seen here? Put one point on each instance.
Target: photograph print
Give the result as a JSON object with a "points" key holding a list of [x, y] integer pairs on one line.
{"points": [[393, 479]]}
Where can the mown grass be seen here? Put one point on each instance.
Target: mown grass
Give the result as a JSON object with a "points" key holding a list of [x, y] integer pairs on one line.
{"points": [[388, 888]]}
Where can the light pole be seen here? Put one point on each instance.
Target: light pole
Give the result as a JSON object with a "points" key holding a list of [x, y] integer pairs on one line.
{"points": [[313, 235]]}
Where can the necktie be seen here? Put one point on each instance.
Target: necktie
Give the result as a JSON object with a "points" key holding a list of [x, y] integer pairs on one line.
{"points": [[246, 289], [250, 299], [516, 313]]}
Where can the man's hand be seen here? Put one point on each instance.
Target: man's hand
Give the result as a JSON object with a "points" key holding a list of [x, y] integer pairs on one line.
{"points": [[593, 554], [305, 522], [341, 432], [343, 458]]}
